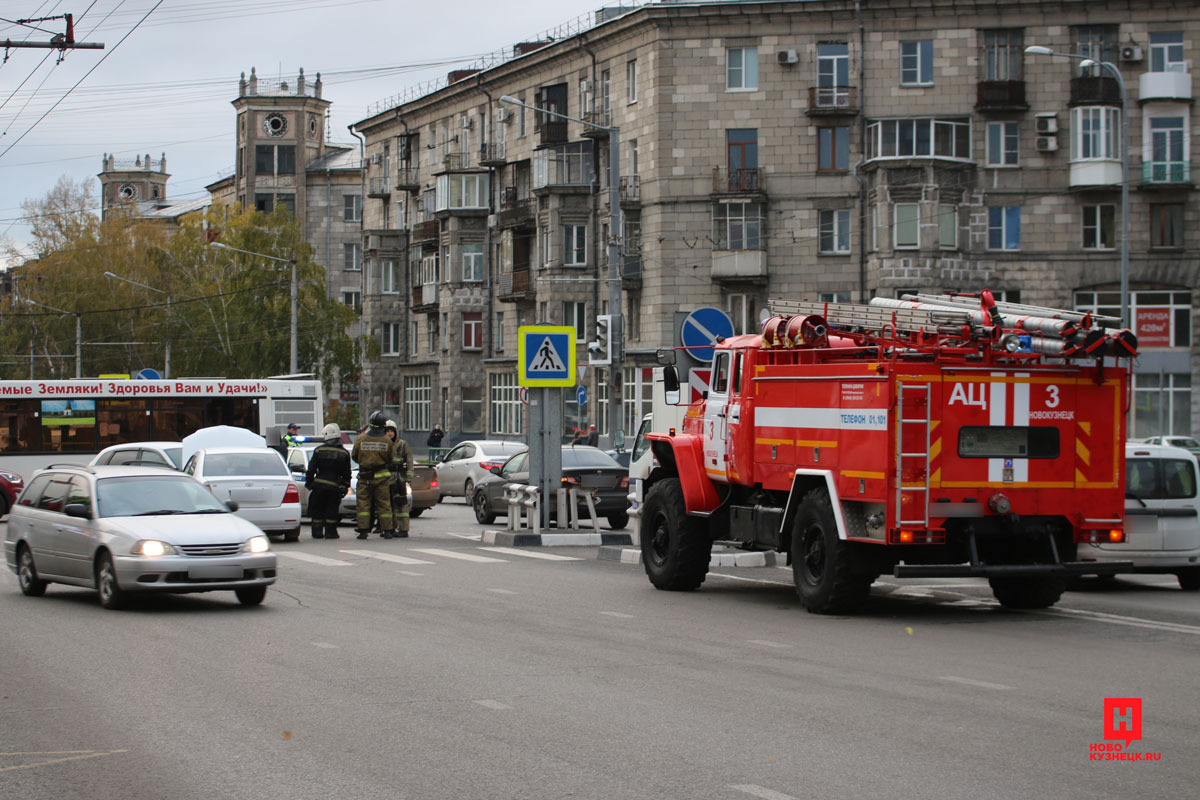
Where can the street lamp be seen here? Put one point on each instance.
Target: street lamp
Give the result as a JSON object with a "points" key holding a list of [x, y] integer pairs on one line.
{"points": [[293, 364], [1039, 50], [167, 357], [78, 333], [617, 326]]}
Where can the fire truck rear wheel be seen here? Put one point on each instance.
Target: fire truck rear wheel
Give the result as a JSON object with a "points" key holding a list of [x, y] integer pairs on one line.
{"points": [[675, 549], [1027, 592], [828, 578]]}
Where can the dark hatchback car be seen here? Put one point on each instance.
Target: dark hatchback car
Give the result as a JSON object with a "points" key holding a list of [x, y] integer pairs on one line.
{"points": [[584, 467]]}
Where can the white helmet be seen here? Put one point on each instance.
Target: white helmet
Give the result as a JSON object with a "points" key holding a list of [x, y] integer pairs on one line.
{"points": [[331, 431], [391, 423]]}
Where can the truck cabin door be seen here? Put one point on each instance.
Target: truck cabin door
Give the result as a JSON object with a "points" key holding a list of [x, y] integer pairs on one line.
{"points": [[716, 408]]}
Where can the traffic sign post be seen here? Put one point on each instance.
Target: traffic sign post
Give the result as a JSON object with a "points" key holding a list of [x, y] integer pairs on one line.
{"points": [[546, 355], [546, 363]]}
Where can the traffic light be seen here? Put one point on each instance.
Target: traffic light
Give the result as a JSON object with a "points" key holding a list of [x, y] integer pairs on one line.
{"points": [[600, 349]]}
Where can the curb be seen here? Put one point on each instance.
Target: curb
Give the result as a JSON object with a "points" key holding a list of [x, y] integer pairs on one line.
{"points": [[627, 555], [523, 539]]}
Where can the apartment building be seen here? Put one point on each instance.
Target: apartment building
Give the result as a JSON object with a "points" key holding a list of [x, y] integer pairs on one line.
{"points": [[822, 150]]}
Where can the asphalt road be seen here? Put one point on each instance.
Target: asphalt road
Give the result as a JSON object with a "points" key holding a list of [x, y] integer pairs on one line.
{"points": [[434, 667]]}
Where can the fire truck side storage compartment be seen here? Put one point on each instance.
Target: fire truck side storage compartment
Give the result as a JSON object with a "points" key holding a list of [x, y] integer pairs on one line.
{"points": [[757, 524]]}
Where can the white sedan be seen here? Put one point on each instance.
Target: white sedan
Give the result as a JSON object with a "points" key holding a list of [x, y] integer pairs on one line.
{"points": [[467, 463], [257, 479]]}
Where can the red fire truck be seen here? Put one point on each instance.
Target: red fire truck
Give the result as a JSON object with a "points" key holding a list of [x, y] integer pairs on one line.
{"points": [[932, 436]]}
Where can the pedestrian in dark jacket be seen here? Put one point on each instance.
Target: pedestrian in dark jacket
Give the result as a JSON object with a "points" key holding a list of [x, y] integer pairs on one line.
{"points": [[327, 480], [435, 437], [593, 436]]}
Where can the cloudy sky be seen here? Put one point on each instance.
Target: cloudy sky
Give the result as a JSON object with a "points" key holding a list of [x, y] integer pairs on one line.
{"points": [[169, 69]]}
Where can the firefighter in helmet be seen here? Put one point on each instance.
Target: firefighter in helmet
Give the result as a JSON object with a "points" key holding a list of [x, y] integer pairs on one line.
{"points": [[402, 473], [373, 452], [327, 480]]}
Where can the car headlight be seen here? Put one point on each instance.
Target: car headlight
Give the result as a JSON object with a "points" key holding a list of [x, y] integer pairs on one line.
{"points": [[11, 477], [153, 547], [257, 544]]}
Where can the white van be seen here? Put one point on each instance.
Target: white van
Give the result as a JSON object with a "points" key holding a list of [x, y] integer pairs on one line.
{"points": [[1162, 515]]}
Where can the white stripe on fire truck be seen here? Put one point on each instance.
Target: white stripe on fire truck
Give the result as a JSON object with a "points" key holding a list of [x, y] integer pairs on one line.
{"points": [[997, 413], [847, 419], [1003, 414]]}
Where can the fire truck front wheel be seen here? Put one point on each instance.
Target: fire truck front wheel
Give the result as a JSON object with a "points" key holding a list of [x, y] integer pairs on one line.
{"points": [[675, 549], [829, 580]]}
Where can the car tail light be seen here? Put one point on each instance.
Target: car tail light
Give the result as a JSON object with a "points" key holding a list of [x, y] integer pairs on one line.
{"points": [[292, 495], [624, 483], [490, 465], [433, 484], [570, 479]]}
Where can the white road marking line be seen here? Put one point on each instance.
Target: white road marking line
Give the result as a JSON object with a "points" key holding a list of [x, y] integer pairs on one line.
{"points": [[749, 580], [972, 603], [325, 645], [766, 643], [530, 554], [474, 537], [414, 574], [617, 614], [973, 682], [758, 791], [325, 562], [433, 551], [392, 557], [492, 704], [502, 591], [1115, 619]]}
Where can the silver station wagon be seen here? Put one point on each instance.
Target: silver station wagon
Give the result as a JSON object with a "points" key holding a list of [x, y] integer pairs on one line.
{"points": [[126, 529]]}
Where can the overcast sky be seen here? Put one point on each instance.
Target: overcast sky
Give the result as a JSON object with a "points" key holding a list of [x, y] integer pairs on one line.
{"points": [[164, 82]]}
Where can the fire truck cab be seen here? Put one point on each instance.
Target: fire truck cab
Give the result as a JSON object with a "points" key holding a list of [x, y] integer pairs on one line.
{"points": [[928, 437]]}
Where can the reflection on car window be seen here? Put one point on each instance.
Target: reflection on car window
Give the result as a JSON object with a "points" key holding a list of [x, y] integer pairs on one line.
{"points": [[227, 465], [33, 492], [79, 492], [124, 497], [500, 448], [176, 456], [54, 497], [577, 457], [515, 464], [1179, 479]]}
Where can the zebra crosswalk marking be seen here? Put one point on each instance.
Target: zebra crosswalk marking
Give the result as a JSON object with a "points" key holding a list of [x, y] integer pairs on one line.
{"points": [[530, 554], [325, 562], [395, 559], [433, 551]]}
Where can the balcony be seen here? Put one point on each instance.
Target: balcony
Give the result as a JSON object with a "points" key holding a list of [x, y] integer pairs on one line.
{"points": [[1166, 174], [515, 286], [1095, 91], [455, 161], [631, 190], [739, 265], [742, 180], [492, 155], [425, 231], [407, 180], [1000, 96], [380, 186], [1095, 173], [602, 118], [631, 270], [425, 298], [552, 131], [1170, 86], [514, 212], [832, 100], [384, 241]]}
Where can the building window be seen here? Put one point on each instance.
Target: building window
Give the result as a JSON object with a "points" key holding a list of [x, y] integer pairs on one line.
{"points": [[472, 330], [1166, 225], [445, 331], [833, 149], [834, 236], [412, 338], [352, 300], [391, 404], [1095, 133], [498, 331], [352, 207], [1001, 57], [948, 227], [833, 74], [504, 400], [631, 80], [563, 165], [574, 315], [1160, 319], [418, 394], [1168, 152], [1002, 142], [352, 257], [906, 226], [389, 278], [461, 190], [470, 400], [741, 69], [429, 269], [906, 138], [741, 308], [472, 262], [431, 333], [1004, 228], [275, 159], [1097, 42], [390, 339], [1098, 225], [574, 245], [1166, 52], [833, 297], [916, 63], [737, 226]]}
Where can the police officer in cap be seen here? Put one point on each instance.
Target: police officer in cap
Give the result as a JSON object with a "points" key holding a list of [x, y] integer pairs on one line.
{"points": [[327, 480], [289, 438], [374, 452]]}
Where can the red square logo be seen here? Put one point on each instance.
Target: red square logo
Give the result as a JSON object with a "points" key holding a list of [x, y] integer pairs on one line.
{"points": [[1123, 719]]}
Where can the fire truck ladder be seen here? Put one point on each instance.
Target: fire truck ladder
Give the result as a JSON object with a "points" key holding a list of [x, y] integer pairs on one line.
{"points": [[871, 318], [912, 409]]}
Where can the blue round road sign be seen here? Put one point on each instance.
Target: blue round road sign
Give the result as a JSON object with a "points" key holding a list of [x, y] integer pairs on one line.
{"points": [[148, 374], [701, 330]]}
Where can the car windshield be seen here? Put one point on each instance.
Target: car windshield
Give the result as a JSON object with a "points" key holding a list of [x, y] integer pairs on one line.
{"points": [[176, 456], [143, 495], [575, 457], [227, 465]]}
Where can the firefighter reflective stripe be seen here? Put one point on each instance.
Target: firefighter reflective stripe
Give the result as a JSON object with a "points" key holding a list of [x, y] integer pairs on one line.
{"points": [[1006, 413]]}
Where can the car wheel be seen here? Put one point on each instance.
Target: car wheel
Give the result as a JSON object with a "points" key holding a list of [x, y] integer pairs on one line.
{"points": [[618, 521], [107, 588], [483, 511], [415, 512], [31, 584], [251, 595], [1189, 579], [468, 487], [293, 535]]}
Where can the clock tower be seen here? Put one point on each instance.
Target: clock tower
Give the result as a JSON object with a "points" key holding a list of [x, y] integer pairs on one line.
{"points": [[141, 183]]}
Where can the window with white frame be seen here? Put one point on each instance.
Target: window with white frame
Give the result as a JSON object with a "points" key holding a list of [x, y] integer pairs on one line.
{"points": [[574, 314], [389, 277], [431, 332], [947, 227], [741, 69], [916, 63], [352, 300], [429, 269], [545, 240], [585, 97], [472, 262], [351, 207], [412, 338], [498, 331], [833, 297], [1162, 404], [631, 81], [1097, 42], [1166, 52], [906, 226], [461, 190], [1003, 139], [567, 164], [834, 231], [606, 97], [504, 401], [391, 404], [470, 399], [1004, 228], [1095, 133], [1168, 161], [389, 340], [1161, 318], [1098, 226], [418, 394], [737, 226], [352, 257], [742, 312], [574, 245], [472, 330], [948, 137]]}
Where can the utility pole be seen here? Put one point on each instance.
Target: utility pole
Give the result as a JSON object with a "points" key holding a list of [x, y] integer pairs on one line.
{"points": [[60, 41]]}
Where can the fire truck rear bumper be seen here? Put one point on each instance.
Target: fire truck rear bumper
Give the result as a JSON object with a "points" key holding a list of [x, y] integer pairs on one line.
{"points": [[1066, 569]]}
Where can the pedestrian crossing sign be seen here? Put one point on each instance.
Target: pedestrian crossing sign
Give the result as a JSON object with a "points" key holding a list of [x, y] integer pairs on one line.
{"points": [[546, 355]]}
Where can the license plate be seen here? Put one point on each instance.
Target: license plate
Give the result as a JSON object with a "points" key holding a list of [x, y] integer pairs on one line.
{"points": [[596, 482], [201, 571]]}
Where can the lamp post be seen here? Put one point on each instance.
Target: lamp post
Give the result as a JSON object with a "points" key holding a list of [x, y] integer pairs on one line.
{"points": [[293, 363], [617, 326], [78, 333], [1034, 49], [167, 356]]}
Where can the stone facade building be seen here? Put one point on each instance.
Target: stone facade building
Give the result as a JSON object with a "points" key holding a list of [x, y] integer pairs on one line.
{"points": [[820, 150]]}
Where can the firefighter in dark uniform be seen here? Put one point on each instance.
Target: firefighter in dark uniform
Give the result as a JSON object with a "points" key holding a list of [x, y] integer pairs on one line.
{"points": [[327, 480], [373, 452], [402, 473]]}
